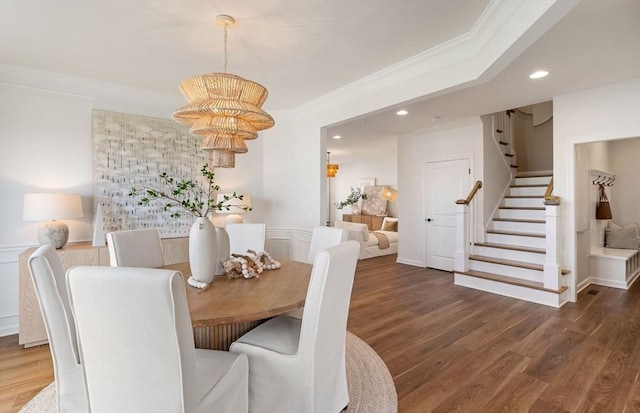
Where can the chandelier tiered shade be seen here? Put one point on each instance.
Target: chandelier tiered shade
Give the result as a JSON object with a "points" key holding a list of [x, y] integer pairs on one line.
{"points": [[225, 110]]}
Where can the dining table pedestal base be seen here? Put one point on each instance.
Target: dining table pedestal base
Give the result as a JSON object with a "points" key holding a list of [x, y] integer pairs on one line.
{"points": [[220, 337]]}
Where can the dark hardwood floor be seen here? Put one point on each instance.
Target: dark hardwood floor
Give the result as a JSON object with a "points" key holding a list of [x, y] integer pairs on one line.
{"points": [[453, 349]]}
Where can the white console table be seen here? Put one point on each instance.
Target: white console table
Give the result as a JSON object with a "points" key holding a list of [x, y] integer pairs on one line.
{"points": [[614, 267]]}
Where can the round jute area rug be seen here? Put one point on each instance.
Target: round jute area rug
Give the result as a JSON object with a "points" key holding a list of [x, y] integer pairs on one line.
{"points": [[371, 388]]}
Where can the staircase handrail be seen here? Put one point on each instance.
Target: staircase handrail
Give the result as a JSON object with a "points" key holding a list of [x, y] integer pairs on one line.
{"points": [[475, 188], [548, 198]]}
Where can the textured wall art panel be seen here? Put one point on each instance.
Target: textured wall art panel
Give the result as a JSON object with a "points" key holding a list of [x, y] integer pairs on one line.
{"points": [[131, 150], [374, 204]]}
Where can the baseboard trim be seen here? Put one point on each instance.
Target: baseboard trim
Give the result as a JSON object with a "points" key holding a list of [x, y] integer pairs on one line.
{"points": [[8, 325]]}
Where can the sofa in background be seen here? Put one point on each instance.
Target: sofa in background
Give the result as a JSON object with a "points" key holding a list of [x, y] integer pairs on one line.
{"points": [[369, 243]]}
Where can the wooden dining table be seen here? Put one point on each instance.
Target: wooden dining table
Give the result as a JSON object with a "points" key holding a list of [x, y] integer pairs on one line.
{"points": [[229, 307]]}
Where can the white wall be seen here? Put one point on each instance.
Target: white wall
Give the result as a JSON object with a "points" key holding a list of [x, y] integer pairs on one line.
{"points": [[624, 158], [496, 175], [454, 141], [600, 114], [46, 144], [533, 144]]}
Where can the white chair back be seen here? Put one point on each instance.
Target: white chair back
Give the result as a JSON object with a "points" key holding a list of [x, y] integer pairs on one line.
{"points": [[324, 323], [299, 365], [136, 340], [243, 237], [323, 238], [47, 274], [135, 248]]}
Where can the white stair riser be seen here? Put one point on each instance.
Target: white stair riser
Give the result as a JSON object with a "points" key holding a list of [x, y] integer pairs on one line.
{"points": [[521, 213], [524, 202], [518, 240], [534, 180], [519, 226], [528, 190], [509, 271], [515, 291], [513, 255]]}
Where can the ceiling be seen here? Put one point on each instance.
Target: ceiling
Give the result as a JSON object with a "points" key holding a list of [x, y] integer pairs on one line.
{"points": [[298, 49], [302, 50]]}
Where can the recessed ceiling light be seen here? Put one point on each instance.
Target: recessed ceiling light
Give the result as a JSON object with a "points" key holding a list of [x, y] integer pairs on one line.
{"points": [[538, 74], [401, 112], [337, 137]]}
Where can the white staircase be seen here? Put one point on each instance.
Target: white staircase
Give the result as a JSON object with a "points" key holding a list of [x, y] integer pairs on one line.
{"points": [[512, 259]]}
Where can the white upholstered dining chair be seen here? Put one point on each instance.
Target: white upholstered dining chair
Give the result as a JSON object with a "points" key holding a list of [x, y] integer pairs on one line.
{"points": [[299, 365], [136, 340], [48, 276], [323, 238], [243, 237], [135, 248]]}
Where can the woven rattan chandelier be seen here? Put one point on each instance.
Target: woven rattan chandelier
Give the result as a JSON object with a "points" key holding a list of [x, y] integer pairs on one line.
{"points": [[223, 109]]}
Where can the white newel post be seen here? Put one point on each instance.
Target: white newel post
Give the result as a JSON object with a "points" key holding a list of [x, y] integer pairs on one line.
{"points": [[552, 271], [462, 238]]}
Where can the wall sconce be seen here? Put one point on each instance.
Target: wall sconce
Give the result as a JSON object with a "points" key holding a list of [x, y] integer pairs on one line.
{"points": [[389, 193], [50, 207]]}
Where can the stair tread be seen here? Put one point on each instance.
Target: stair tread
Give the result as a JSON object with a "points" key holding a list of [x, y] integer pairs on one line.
{"points": [[522, 234], [513, 263], [511, 280], [525, 208], [510, 263], [541, 175], [525, 196], [525, 221], [511, 247], [530, 186]]}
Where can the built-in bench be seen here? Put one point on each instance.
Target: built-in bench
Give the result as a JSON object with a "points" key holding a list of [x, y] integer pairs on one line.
{"points": [[613, 267]]}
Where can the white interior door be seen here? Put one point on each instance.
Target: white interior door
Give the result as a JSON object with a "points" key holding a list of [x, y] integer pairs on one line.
{"points": [[446, 182]]}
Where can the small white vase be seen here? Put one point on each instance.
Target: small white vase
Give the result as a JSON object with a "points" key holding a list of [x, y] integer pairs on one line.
{"points": [[203, 250], [224, 251]]}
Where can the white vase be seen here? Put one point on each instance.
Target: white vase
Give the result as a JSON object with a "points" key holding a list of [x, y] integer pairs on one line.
{"points": [[203, 250], [224, 251]]}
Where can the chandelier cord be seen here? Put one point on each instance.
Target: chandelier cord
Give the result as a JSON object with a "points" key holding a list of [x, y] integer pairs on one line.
{"points": [[226, 55]]}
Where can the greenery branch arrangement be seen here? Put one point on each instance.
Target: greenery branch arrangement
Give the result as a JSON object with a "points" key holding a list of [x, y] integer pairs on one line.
{"points": [[353, 198], [187, 196]]}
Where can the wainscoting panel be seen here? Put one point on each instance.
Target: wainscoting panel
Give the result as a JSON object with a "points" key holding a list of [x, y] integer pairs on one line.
{"points": [[9, 289]]}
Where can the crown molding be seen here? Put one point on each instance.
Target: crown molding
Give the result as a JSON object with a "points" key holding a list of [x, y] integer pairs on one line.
{"points": [[460, 61], [83, 87]]}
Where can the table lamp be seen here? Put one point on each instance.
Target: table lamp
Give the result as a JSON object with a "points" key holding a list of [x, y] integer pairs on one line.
{"points": [[389, 193], [236, 207], [50, 207]]}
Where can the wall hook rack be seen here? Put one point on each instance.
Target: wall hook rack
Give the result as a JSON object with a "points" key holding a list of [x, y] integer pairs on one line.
{"points": [[602, 177]]}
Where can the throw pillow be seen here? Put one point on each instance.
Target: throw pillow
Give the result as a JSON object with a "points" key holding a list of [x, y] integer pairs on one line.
{"points": [[625, 238], [390, 226]]}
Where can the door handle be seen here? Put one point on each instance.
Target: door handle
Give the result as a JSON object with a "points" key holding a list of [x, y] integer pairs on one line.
{"points": [[429, 220]]}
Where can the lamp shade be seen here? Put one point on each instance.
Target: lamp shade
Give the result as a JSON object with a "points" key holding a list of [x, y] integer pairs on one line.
{"points": [[389, 193], [51, 206]]}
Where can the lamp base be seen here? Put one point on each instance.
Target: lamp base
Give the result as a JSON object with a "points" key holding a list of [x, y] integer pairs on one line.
{"points": [[233, 219], [54, 233]]}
